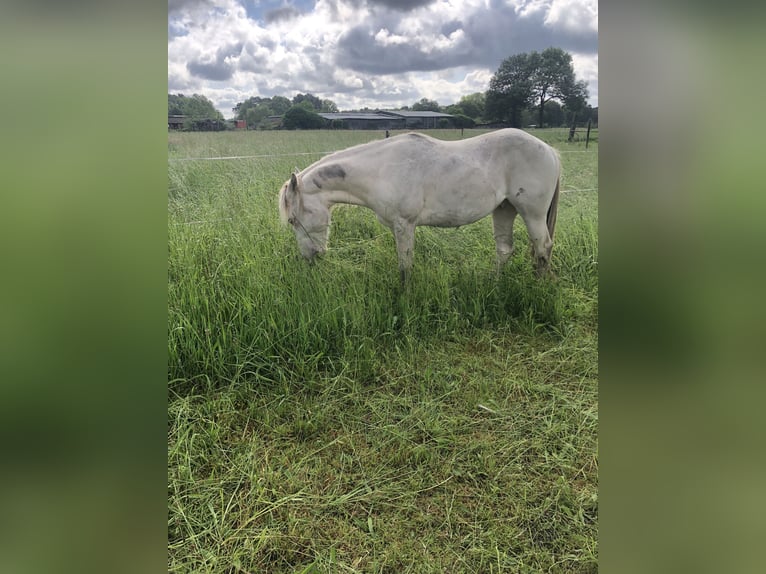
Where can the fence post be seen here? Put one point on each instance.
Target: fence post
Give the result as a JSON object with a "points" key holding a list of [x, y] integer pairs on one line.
{"points": [[587, 135]]}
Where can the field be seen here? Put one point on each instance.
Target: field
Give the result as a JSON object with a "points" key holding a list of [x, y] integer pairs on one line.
{"points": [[324, 419]]}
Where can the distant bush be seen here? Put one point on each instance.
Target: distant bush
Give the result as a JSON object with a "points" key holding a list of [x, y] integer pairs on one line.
{"points": [[463, 121], [300, 118]]}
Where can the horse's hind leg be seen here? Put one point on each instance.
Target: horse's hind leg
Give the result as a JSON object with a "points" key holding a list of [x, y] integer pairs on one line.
{"points": [[502, 220]]}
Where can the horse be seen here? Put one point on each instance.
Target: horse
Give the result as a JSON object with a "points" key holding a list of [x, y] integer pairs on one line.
{"points": [[413, 179]]}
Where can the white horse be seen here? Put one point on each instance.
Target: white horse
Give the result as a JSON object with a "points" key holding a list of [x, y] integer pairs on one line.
{"points": [[412, 179]]}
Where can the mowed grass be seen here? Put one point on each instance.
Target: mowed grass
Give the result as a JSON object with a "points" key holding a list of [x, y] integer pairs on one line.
{"points": [[325, 419]]}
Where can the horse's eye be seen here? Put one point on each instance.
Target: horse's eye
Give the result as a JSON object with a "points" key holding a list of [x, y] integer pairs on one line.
{"points": [[291, 220]]}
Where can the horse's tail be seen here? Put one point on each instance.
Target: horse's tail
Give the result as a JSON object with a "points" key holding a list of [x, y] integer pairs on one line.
{"points": [[553, 209]]}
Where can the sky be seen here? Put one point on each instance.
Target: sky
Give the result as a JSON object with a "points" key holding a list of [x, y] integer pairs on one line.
{"points": [[367, 53]]}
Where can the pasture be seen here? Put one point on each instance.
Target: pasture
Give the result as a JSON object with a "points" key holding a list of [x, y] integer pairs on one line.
{"points": [[326, 419]]}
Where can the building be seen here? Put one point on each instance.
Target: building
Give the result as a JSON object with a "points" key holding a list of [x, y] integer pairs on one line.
{"points": [[421, 120], [386, 120], [363, 121], [176, 122], [180, 122]]}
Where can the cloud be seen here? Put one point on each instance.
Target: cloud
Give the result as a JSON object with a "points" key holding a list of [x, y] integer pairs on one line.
{"points": [[483, 36], [376, 53], [179, 6], [364, 50], [220, 68], [401, 5], [281, 14]]}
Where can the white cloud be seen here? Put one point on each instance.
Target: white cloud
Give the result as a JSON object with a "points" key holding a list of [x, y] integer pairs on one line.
{"points": [[386, 38], [375, 53], [574, 15]]}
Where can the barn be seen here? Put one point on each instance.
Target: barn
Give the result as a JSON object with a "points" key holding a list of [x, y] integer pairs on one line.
{"points": [[363, 120], [386, 120], [176, 122], [421, 120]]}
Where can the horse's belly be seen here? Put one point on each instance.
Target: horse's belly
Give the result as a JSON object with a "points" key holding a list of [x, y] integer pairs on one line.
{"points": [[452, 218], [456, 213]]}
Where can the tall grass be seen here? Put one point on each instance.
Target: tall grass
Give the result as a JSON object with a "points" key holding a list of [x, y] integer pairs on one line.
{"points": [[318, 412], [241, 301]]}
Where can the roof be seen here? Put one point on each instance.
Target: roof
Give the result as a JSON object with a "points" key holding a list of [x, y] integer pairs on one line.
{"points": [[381, 115], [411, 114], [354, 116]]}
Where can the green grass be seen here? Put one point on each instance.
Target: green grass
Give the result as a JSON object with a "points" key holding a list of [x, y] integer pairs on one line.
{"points": [[324, 419]]}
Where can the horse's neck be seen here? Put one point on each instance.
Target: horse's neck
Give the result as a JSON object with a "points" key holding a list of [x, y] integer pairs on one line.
{"points": [[342, 196], [338, 190]]}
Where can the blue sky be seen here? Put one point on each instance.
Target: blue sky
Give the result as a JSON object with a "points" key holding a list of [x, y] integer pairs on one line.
{"points": [[375, 53]]}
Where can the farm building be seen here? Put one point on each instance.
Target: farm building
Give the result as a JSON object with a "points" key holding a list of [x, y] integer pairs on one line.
{"points": [[386, 120], [421, 120], [176, 122], [364, 120], [180, 122]]}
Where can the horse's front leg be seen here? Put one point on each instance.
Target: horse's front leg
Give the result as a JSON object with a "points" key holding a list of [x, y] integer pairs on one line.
{"points": [[404, 234], [502, 220]]}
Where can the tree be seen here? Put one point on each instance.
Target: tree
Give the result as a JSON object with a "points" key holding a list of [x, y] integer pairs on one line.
{"points": [[314, 102], [473, 105], [279, 105], [463, 121], [575, 95], [298, 117], [196, 107], [254, 116], [200, 112], [256, 110], [525, 79], [426, 105], [454, 109], [510, 89], [328, 106], [240, 110], [554, 114], [553, 77]]}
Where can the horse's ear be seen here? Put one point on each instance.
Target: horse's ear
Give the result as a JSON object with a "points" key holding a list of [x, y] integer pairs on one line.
{"points": [[293, 183]]}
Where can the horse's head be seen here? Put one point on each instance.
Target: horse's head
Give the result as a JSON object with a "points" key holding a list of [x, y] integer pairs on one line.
{"points": [[307, 215]]}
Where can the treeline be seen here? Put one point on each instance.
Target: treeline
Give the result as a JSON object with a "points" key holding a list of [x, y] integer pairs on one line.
{"points": [[200, 112], [529, 89]]}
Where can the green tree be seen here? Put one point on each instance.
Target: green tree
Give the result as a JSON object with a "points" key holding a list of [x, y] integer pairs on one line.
{"points": [[454, 109], [313, 102], [200, 112], [254, 116], [241, 109], [554, 114], [279, 105], [298, 117], [196, 107], [328, 106], [426, 105], [275, 106], [575, 101], [575, 97], [553, 78], [510, 89], [463, 121], [473, 105]]}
